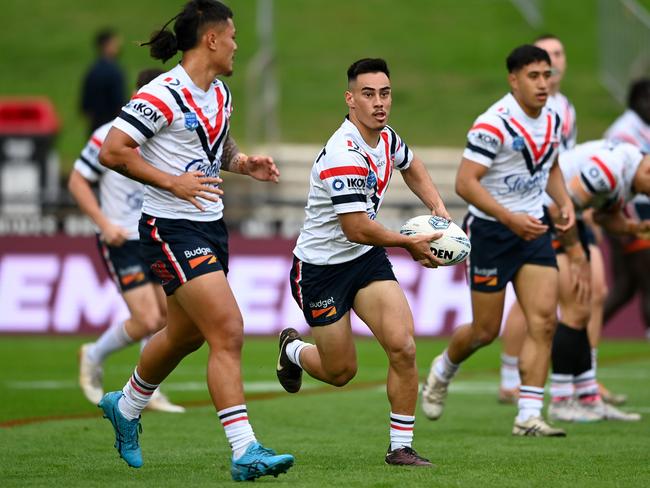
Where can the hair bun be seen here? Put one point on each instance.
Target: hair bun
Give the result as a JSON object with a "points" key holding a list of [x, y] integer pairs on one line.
{"points": [[163, 45]]}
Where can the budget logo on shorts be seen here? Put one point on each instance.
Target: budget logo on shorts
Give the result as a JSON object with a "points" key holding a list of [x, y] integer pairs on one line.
{"points": [[518, 144], [191, 122], [323, 308], [486, 277]]}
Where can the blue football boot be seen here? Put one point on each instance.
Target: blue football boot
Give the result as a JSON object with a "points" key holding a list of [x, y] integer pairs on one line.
{"points": [[126, 431], [259, 461]]}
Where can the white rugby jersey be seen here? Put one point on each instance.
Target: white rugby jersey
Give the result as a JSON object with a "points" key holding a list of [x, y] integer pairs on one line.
{"points": [[604, 170], [631, 128], [347, 176], [189, 126], [120, 197], [518, 152], [567, 112]]}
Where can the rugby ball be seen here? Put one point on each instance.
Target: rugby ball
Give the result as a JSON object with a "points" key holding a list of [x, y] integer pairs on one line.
{"points": [[452, 248]]}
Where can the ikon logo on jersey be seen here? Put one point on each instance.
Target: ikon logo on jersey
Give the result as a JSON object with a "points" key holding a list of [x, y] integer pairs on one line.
{"points": [[145, 110], [356, 183]]}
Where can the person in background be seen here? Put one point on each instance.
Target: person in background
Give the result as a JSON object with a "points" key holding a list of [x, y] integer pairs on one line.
{"points": [[103, 90]]}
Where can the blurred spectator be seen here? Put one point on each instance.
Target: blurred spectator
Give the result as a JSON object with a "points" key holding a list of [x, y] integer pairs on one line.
{"points": [[102, 93]]}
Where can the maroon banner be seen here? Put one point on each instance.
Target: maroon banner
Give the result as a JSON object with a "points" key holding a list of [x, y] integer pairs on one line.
{"points": [[59, 285]]}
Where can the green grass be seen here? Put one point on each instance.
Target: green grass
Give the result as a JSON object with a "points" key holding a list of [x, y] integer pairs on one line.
{"points": [[447, 58], [338, 436]]}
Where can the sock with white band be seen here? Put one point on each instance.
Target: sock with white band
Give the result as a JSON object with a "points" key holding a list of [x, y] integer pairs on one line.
{"points": [[113, 339], [238, 430]]}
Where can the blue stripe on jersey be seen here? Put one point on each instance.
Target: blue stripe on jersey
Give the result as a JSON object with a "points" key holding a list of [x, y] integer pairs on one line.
{"points": [[589, 186], [136, 123], [94, 168], [356, 197], [480, 150], [406, 156]]}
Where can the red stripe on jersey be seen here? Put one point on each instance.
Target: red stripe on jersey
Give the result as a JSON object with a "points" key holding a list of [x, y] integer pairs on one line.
{"points": [[158, 103], [489, 128], [608, 173], [213, 132], [389, 164], [626, 138], [343, 171], [232, 421], [96, 141], [537, 153]]}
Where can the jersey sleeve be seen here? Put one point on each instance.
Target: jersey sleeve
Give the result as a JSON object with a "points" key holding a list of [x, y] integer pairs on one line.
{"points": [[484, 140], [403, 155], [88, 161], [344, 176], [148, 112], [600, 182]]}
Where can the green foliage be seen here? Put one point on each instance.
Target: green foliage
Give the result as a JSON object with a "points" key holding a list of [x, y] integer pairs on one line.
{"points": [[446, 56]]}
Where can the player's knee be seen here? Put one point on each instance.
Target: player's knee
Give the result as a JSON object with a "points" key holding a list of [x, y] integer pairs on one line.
{"points": [[191, 344], [403, 355], [484, 336], [343, 375]]}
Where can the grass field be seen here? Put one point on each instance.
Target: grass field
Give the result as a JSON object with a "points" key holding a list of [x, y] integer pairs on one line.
{"points": [[447, 58], [50, 436]]}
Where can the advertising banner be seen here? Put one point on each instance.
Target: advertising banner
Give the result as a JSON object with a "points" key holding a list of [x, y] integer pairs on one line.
{"points": [[59, 285]]}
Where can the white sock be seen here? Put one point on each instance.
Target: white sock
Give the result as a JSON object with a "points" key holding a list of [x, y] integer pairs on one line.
{"points": [[113, 339], [594, 358], [586, 386], [445, 369], [293, 351], [561, 387], [238, 430], [136, 395], [401, 430], [531, 401], [509, 372]]}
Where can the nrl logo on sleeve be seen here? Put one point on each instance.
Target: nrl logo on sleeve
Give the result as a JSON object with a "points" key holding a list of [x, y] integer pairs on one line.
{"points": [[191, 122]]}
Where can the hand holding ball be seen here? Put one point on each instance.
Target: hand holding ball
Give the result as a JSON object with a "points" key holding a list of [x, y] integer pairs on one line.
{"points": [[452, 248]]}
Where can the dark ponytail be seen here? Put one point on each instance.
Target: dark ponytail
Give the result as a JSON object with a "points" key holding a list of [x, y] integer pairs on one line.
{"points": [[164, 44]]}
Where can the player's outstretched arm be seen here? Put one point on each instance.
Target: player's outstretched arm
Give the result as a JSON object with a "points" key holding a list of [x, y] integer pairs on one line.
{"points": [[261, 168], [358, 228], [417, 178], [81, 191], [469, 188], [118, 153]]}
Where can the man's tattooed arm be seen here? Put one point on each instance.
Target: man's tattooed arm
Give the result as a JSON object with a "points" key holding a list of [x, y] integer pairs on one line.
{"points": [[231, 157], [123, 169]]}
